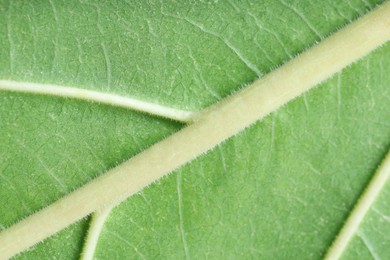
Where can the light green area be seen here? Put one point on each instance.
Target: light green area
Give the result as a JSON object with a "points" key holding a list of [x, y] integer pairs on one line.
{"points": [[280, 189], [51, 146], [186, 54]]}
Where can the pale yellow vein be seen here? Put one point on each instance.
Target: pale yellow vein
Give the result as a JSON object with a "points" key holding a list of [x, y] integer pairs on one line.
{"points": [[363, 205], [95, 228], [209, 128], [97, 96]]}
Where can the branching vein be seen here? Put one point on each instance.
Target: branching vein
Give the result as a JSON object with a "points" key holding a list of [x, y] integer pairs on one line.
{"points": [[364, 204], [96, 96], [209, 128], [95, 228]]}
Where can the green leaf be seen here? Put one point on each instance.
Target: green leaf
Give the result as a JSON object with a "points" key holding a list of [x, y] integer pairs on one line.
{"points": [[280, 189], [371, 240]]}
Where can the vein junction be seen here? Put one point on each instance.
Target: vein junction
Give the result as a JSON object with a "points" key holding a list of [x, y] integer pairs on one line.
{"points": [[209, 128], [100, 97], [95, 228]]}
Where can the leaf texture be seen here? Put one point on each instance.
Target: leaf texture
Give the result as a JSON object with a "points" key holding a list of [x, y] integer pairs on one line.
{"points": [[281, 189]]}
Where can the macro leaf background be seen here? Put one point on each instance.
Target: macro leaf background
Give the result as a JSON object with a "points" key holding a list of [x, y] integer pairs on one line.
{"points": [[280, 189]]}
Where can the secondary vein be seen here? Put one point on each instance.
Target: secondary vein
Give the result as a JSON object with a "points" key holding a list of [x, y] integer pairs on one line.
{"points": [[95, 228], [96, 96], [209, 128], [361, 208]]}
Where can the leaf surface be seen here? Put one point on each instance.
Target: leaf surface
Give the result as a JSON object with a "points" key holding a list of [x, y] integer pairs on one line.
{"points": [[282, 188]]}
